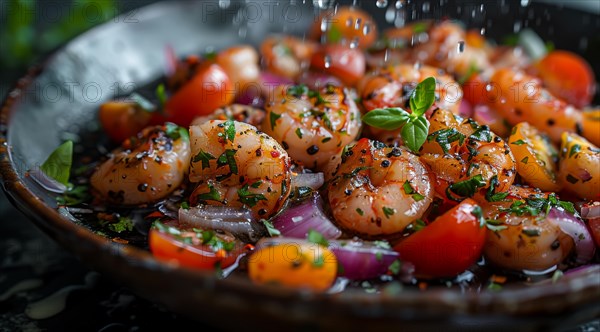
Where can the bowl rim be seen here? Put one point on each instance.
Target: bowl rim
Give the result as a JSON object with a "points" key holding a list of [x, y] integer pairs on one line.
{"points": [[569, 293]]}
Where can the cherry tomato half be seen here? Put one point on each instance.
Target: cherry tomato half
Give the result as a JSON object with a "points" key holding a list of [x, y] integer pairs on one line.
{"points": [[448, 246], [209, 89], [191, 248], [122, 120], [348, 64], [349, 23], [568, 76]]}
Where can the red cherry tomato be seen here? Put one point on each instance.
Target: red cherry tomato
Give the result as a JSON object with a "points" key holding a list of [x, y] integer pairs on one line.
{"points": [[568, 76], [348, 64], [190, 248], [474, 90], [122, 120], [448, 246], [209, 89]]}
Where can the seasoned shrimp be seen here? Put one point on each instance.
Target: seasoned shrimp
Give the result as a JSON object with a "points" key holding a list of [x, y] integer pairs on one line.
{"points": [[378, 190], [236, 165], [145, 168], [580, 166], [391, 87], [467, 159], [520, 97], [522, 241], [286, 55], [312, 126], [238, 112]]}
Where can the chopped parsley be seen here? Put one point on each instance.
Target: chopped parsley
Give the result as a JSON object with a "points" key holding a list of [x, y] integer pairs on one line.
{"points": [[491, 195], [360, 212], [270, 228], [574, 150], [273, 118], [299, 132], [388, 211], [175, 132], [445, 137], [409, 190], [317, 238], [466, 188], [519, 142], [204, 157], [123, 224], [248, 198], [395, 267], [211, 195], [227, 158], [229, 130]]}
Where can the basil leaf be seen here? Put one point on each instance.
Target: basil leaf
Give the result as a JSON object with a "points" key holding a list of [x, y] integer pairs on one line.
{"points": [[386, 118], [414, 133], [469, 187], [58, 164], [423, 96], [270, 228]]}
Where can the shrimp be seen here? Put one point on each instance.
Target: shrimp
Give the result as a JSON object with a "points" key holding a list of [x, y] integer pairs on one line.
{"points": [[392, 86], [467, 159], [145, 169], [519, 97], [378, 190], [580, 166], [313, 126], [238, 112], [235, 165], [286, 55], [522, 241]]}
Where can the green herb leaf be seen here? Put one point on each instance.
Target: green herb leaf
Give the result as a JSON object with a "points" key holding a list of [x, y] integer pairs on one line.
{"points": [[249, 198], [386, 118], [142, 103], [270, 228], [360, 212], [469, 187], [230, 130], [445, 137], [175, 132], [477, 212], [212, 195], [574, 149], [491, 195], [58, 164], [74, 196], [298, 90], [423, 96], [395, 267], [204, 157], [317, 238], [185, 205], [414, 133], [299, 132], [273, 118], [161, 95], [519, 142], [227, 158], [388, 211], [124, 224]]}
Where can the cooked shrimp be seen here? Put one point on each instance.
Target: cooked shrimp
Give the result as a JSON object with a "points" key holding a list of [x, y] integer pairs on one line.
{"points": [[286, 55], [466, 158], [144, 169], [392, 86], [238, 112], [580, 166], [241, 64], [312, 126], [236, 165], [378, 190], [523, 241], [520, 97]]}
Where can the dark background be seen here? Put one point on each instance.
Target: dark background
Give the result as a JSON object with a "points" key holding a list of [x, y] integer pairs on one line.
{"points": [[26, 254]]}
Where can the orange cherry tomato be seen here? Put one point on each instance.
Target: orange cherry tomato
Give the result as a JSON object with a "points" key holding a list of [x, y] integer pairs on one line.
{"points": [[449, 245], [198, 250], [348, 64], [209, 89], [297, 264], [568, 76], [349, 23], [122, 120]]}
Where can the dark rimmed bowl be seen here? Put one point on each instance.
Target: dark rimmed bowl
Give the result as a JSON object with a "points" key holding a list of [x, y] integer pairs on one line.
{"points": [[63, 96]]}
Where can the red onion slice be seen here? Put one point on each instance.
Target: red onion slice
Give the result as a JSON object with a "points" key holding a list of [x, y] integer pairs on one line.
{"points": [[590, 210], [310, 180], [465, 109], [359, 260], [47, 182], [296, 221], [237, 221], [576, 229]]}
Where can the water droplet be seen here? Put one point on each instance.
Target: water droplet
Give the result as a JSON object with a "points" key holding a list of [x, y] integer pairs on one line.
{"points": [[473, 13], [354, 42], [488, 87], [399, 20], [460, 47], [327, 61], [349, 22], [357, 24], [482, 32], [323, 4], [242, 32], [224, 4], [425, 7], [517, 27], [325, 24], [524, 3], [386, 55], [381, 3], [366, 29], [390, 15], [398, 4]]}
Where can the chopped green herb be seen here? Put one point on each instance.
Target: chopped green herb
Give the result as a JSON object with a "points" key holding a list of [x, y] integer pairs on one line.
{"points": [[211, 195], [270, 228], [298, 90], [491, 195], [379, 256], [161, 95], [175, 132], [519, 142], [467, 188], [445, 137], [299, 132], [248, 198], [204, 157], [334, 35], [185, 205], [230, 130], [360, 212], [494, 287], [273, 118], [525, 160], [256, 184], [227, 158], [574, 149], [383, 244], [482, 134], [531, 232], [355, 171], [58, 164], [388, 211], [124, 224], [317, 238], [74, 195], [477, 212], [395, 267], [409, 190]]}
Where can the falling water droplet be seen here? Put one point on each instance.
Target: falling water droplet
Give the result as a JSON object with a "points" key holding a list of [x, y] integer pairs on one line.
{"points": [[399, 20], [349, 22], [524, 3], [425, 7], [325, 24], [488, 87], [323, 4], [482, 8], [460, 47], [517, 27], [357, 24], [354, 42], [366, 29], [327, 61], [381, 3], [386, 55], [224, 4], [242, 32], [482, 32], [398, 4], [390, 15]]}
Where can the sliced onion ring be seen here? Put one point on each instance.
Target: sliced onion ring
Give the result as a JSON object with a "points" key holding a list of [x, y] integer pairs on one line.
{"points": [[360, 260], [311, 180], [296, 221], [237, 221], [576, 229]]}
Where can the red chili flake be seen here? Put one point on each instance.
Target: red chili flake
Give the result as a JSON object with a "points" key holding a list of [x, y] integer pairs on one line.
{"points": [[275, 153]]}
